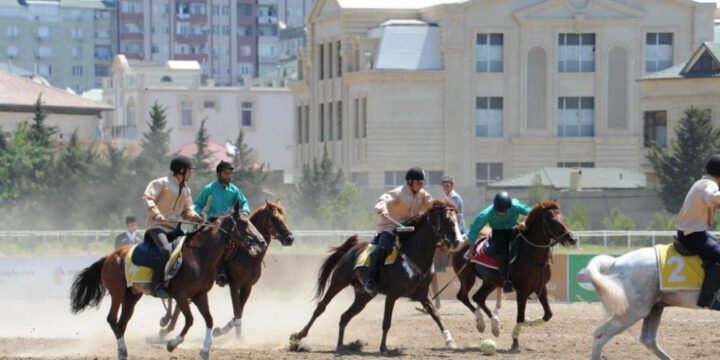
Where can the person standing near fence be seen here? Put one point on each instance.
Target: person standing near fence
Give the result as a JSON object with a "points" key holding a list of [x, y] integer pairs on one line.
{"points": [[130, 236]]}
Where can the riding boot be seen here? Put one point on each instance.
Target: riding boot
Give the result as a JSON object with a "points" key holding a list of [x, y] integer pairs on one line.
{"points": [[370, 273], [710, 285], [221, 278], [505, 273], [158, 283]]}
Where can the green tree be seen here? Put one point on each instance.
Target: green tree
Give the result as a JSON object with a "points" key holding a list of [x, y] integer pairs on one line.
{"points": [[114, 196], [201, 160], [537, 191], [155, 144], [248, 175], [41, 133], [578, 219], [345, 211], [618, 221], [316, 184], [662, 220], [684, 161]]}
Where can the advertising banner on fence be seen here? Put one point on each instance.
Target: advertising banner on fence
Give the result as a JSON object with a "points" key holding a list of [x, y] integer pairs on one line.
{"points": [[580, 288], [40, 277]]}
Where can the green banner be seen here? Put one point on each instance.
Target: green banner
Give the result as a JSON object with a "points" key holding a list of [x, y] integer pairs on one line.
{"points": [[579, 286]]}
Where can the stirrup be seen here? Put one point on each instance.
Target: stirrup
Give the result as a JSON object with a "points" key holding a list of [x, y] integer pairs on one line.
{"points": [[508, 286], [161, 292], [369, 286]]}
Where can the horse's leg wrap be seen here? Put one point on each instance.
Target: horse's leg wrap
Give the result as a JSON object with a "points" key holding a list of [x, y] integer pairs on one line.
{"points": [[517, 330], [207, 344], [237, 324], [534, 322], [449, 341], [479, 321], [122, 349], [495, 322]]}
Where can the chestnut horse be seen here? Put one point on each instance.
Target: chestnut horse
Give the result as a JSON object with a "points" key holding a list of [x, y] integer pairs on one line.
{"points": [[408, 277], [530, 271], [201, 255], [244, 269]]}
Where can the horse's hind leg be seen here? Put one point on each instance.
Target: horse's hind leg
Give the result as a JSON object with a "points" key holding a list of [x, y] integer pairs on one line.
{"points": [[361, 299], [430, 309], [605, 332], [181, 302], [466, 284], [112, 319], [239, 297], [173, 323], [648, 336], [387, 321], [336, 284], [480, 298], [201, 301]]}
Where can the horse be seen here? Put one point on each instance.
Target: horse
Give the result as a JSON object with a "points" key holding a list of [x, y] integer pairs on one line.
{"points": [[201, 255], [530, 272], [408, 277], [244, 269], [629, 289]]}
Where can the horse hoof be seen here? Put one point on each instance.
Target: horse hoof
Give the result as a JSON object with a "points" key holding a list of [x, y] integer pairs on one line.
{"points": [[122, 355], [496, 332], [495, 327], [170, 346], [217, 332], [480, 327], [451, 345], [205, 355], [514, 349]]}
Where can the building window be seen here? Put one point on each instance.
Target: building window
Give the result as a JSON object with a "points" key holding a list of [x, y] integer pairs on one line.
{"points": [[339, 60], [197, 9], [209, 104], [76, 52], [77, 33], [576, 116], [77, 70], [330, 121], [12, 31], [655, 128], [339, 121], [186, 113], [489, 53], [356, 117], [321, 118], [299, 121], [102, 70], [245, 50], [244, 30], [45, 70], [394, 178], [575, 164], [43, 32], [658, 51], [577, 53], [103, 53], [247, 113], [488, 116], [44, 52], [225, 10], [706, 64], [486, 173], [330, 60], [244, 10], [131, 7], [321, 62], [364, 118]]}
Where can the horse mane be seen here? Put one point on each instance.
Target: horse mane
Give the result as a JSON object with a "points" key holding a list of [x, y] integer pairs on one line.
{"points": [[537, 210]]}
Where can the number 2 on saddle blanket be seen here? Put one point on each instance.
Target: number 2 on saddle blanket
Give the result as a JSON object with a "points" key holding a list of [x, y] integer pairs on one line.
{"points": [[678, 272]]}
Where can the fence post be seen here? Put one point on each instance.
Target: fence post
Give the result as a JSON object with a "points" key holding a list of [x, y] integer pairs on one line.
{"points": [[57, 236], [628, 239], [605, 238], [653, 238]]}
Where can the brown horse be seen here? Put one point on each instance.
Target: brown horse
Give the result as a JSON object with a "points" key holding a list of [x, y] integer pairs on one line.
{"points": [[409, 276], [244, 269], [201, 255], [530, 271]]}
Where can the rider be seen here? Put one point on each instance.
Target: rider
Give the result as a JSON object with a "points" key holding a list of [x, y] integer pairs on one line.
{"points": [[218, 198], [502, 216], [167, 199], [693, 221], [400, 204]]}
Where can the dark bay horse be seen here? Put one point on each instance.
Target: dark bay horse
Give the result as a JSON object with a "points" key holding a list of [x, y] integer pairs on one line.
{"points": [[530, 272], [201, 255], [409, 276], [244, 269]]}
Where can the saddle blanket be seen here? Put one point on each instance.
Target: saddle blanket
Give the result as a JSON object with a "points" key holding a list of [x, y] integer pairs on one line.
{"points": [[483, 255], [139, 274], [364, 258], [678, 272]]}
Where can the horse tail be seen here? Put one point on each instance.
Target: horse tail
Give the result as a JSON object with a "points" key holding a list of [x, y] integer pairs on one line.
{"points": [[611, 292], [331, 262], [87, 289]]}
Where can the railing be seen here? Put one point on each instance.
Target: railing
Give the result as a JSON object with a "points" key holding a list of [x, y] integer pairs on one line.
{"points": [[601, 238]]}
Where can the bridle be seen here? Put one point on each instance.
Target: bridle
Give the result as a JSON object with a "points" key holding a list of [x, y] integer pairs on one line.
{"points": [[547, 231], [272, 220], [436, 227]]}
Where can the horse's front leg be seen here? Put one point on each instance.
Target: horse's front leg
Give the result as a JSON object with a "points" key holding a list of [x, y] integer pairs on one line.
{"points": [[239, 297], [430, 309], [543, 297], [387, 320], [519, 320]]}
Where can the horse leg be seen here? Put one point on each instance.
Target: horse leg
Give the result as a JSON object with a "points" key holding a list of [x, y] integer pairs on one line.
{"points": [[543, 297], [361, 299], [605, 332], [201, 302], [648, 336], [171, 326], [466, 284], [430, 309], [387, 321], [335, 286], [519, 320], [168, 313], [239, 297], [128, 306], [181, 302], [112, 319], [480, 298]]}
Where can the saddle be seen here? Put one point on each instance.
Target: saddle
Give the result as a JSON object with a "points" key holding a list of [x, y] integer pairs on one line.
{"points": [[486, 255], [364, 258], [141, 259]]}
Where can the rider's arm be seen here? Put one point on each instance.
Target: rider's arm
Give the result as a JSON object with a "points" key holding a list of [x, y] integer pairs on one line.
{"points": [[189, 211], [152, 191], [711, 196], [480, 221], [521, 208], [385, 200], [202, 199], [244, 203]]}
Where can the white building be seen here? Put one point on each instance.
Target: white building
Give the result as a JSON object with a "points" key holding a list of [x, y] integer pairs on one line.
{"points": [[484, 89], [264, 114]]}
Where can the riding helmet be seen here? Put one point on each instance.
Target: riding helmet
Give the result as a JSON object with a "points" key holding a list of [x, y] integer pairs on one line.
{"points": [[713, 165], [415, 173], [223, 165], [502, 201], [180, 162]]}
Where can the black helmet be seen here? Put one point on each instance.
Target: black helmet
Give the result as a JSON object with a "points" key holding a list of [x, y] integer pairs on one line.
{"points": [[713, 165], [180, 162], [223, 165], [502, 201], [415, 173]]}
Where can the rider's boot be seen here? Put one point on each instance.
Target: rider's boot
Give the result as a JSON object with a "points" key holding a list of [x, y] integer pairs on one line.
{"points": [[505, 273], [368, 281], [158, 283], [221, 278], [710, 285]]}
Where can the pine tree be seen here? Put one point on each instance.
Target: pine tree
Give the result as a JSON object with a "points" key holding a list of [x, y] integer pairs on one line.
{"points": [[247, 175], [316, 185], [41, 133], [201, 159], [155, 143], [683, 163]]}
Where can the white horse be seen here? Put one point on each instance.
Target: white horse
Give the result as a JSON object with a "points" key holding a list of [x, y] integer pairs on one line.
{"points": [[629, 288]]}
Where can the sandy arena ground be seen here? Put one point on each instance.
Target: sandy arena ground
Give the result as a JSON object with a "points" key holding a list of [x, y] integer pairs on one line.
{"points": [[46, 329]]}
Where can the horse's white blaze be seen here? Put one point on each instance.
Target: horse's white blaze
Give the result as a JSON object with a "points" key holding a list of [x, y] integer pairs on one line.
{"points": [[121, 345], [208, 340]]}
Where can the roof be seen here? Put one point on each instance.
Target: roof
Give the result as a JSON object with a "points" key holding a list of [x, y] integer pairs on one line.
{"points": [[678, 71], [218, 152], [411, 45], [591, 178], [182, 65], [20, 94], [13, 69], [93, 94]]}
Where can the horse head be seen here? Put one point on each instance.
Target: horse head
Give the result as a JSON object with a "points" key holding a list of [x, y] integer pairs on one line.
{"points": [[442, 218], [238, 229], [546, 216], [271, 220]]}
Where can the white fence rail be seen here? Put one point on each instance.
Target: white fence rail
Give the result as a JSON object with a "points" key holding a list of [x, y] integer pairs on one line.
{"points": [[603, 238]]}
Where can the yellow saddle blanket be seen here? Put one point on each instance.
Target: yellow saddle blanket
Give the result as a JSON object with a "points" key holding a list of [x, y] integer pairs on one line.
{"points": [[136, 274], [364, 258], [678, 272]]}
